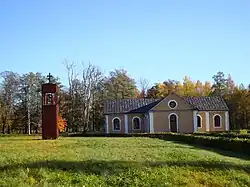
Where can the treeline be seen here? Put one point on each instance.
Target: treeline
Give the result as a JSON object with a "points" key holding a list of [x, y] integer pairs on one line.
{"points": [[81, 101]]}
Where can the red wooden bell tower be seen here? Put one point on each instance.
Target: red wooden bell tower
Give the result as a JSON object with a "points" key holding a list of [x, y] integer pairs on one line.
{"points": [[50, 110]]}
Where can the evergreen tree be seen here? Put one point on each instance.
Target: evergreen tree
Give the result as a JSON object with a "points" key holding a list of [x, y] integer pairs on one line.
{"points": [[220, 83]]}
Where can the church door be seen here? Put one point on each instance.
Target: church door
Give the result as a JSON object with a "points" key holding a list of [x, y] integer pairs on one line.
{"points": [[173, 123]]}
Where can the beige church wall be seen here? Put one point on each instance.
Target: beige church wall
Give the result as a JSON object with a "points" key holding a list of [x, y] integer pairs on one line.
{"points": [[161, 121], [110, 125], [185, 121], [203, 121], [130, 126], [211, 121]]}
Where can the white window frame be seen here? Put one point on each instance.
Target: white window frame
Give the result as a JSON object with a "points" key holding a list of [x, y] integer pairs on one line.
{"points": [[113, 127], [201, 121], [175, 103], [214, 121], [107, 124], [139, 122], [151, 122], [177, 121]]}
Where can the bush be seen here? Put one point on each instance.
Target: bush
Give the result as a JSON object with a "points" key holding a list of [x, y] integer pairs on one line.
{"points": [[239, 145], [243, 131], [226, 134]]}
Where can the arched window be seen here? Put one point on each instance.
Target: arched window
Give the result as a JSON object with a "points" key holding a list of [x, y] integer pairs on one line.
{"points": [[136, 123], [199, 121], [116, 124], [217, 120]]}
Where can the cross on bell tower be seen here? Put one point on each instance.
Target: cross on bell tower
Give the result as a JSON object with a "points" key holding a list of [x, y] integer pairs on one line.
{"points": [[49, 76]]}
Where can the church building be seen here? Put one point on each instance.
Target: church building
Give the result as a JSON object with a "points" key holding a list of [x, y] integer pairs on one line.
{"points": [[173, 113]]}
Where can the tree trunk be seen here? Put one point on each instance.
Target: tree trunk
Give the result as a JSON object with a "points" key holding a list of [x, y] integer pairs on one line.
{"points": [[25, 129], [28, 122], [3, 127], [28, 114], [245, 120], [8, 129]]}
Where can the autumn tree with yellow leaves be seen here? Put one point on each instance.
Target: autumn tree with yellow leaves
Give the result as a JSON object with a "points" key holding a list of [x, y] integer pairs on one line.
{"points": [[61, 123]]}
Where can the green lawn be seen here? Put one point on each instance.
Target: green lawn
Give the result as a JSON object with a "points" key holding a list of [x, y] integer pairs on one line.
{"points": [[29, 161]]}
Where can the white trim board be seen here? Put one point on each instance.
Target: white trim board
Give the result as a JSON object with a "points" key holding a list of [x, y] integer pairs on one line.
{"points": [[151, 122], [126, 123], [195, 120], [227, 121], [107, 124], [207, 122]]}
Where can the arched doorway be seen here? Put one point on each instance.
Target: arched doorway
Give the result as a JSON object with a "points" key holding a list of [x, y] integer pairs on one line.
{"points": [[173, 122]]}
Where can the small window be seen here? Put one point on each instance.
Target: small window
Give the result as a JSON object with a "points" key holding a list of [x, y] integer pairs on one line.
{"points": [[199, 122], [217, 121], [173, 118], [136, 123], [116, 124], [172, 104]]}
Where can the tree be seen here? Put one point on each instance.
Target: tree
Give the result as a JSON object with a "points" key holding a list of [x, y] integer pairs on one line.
{"points": [[119, 85], [160, 90], [154, 91], [207, 88], [199, 88], [61, 124], [28, 85], [230, 85], [171, 86], [219, 85], [83, 96], [188, 87], [143, 84], [91, 82], [1, 107], [8, 97], [243, 109]]}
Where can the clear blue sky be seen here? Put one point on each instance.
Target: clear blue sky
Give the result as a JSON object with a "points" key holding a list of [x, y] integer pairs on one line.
{"points": [[174, 38]]}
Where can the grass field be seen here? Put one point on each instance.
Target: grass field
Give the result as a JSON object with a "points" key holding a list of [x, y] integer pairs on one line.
{"points": [[29, 161]]}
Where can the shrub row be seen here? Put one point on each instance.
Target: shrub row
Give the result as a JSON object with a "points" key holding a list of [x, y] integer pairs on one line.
{"points": [[239, 145], [225, 134]]}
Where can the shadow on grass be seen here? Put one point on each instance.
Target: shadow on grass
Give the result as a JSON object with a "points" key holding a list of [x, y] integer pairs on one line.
{"points": [[20, 139], [215, 150], [101, 167]]}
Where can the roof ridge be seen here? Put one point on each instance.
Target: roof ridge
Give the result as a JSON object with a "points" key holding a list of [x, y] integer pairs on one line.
{"points": [[132, 98], [203, 96]]}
